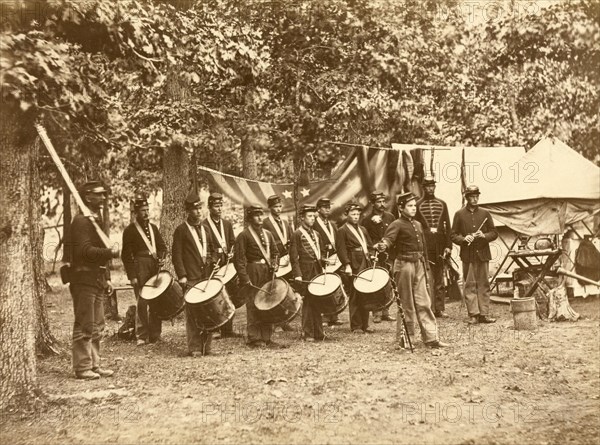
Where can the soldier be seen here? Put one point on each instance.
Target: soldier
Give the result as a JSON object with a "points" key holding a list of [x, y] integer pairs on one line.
{"points": [[220, 235], [376, 224], [473, 230], [405, 237], [307, 263], [193, 260], [143, 255], [432, 213], [353, 245], [256, 259], [327, 230], [89, 281], [281, 230]]}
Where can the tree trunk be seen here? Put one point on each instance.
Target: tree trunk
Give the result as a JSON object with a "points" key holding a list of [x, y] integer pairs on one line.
{"points": [[18, 384], [45, 343], [67, 217], [249, 165], [176, 186]]}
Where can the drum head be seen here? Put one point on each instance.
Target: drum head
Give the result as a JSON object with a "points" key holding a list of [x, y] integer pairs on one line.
{"points": [[371, 280], [156, 285], [271, 295], [203, 291], [334, 264], [226, 273], [324, 284], [283, 270]]}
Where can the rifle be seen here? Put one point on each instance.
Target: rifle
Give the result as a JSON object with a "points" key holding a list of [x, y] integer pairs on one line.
{"points": [[404, 335]]}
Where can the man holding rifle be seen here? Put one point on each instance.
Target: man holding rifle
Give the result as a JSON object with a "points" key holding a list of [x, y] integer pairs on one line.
{"points": [[473, 230]]}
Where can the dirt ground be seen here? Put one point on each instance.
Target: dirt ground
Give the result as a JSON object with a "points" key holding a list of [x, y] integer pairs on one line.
{"points": [[493, 385]]}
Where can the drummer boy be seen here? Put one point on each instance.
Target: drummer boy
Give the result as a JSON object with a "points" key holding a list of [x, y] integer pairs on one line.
{"points": [[305, 257], [353, 245]]}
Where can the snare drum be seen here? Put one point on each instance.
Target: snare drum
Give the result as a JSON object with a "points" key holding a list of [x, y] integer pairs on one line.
{"points": [[333, 264], [228, 275], [328, 292], [277, 302], [164, 295], [285, 266], [209, 304], [374, 288]]}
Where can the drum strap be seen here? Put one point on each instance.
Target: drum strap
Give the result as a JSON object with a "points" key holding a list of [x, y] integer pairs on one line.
{"points": [[330, 234], [221, 239], [150, 243], [265, 252], [361, 238], [283, 235], [313, 244], [200, 244]]}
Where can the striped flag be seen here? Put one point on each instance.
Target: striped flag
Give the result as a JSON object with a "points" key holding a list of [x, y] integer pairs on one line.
{"points": [[365, 170]]}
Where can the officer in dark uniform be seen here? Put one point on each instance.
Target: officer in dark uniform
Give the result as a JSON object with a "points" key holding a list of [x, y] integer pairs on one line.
{"points": [[193, 260], [327, 230], [89, 281], [143, 255], [376, 224], [256, 258], [220, 235], [432, 213]]}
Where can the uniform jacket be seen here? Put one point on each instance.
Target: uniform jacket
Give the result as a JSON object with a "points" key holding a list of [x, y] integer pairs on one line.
{"points": [[467, 221], [282, 248], [406, 237], [327, 249], [432, 213], [349, 249], [305, 262], [133, 243], [186, 258], [228, 237], [246, 251]]}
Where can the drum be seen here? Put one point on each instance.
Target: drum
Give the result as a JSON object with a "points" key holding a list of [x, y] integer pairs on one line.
{"points": [[209, 304], [277, 302], [328, 292], [285, 266], [374, 287], [164, 295], [228, 275], [333, 264]]}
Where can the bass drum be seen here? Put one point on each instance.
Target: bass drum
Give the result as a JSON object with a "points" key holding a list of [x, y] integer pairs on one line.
{"points": [[209, 304], [228, 275], [374, 287], [277, 302], [164, 295], [328, 293]]}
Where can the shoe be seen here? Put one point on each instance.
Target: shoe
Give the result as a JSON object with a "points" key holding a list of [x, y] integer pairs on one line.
{"points": [[309, 339], [486, 319], [103, 372], [275, 345], [287, 327], [368, 331], [473, 319], [436, 344], [335, 323], [87, 375], [388, 318], [376, 319], [196, 354], [140, 342], [256, 344], [441, 314], [357, 331]]}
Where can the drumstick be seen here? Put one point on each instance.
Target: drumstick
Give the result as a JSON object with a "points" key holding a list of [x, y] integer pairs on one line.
{"points": [[374, 265], [468, 244], [212, 274]]}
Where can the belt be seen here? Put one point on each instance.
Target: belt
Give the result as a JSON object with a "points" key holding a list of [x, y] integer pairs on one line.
{"points": [[357, 249], [262, 261], [144, 253], [89, 269], [410, 256]]}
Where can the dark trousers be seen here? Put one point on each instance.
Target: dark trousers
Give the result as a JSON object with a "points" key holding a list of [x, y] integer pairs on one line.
{"points": [[148, 326], [312, 322], [88, 307], [198, 340], [359, 316], [477, 287], [256, 330], [437, 289]]}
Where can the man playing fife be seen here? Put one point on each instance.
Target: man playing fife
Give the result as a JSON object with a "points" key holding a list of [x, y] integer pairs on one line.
{"points": [[353, 245], [432, 213], [305, 255], [376, 224], [193, 260], [405, 237], [220, 235], [281, 230], [256, 259], [143, 254], [473, 229], [327, 230]]}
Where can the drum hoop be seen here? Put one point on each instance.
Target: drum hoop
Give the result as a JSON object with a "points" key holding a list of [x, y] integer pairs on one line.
{"points": [[284, 294], [167, 287], [367, 271], [319, 277], [195, 286]]}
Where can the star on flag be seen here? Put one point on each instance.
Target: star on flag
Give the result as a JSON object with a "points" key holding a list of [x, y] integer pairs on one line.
{"points": [[287, 194], [305, 192]]}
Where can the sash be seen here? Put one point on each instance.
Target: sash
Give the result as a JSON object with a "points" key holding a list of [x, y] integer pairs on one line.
{"points": [[282, 236], [200, 245], [220, 239], [150, 245], [361, 238], [330, 235], [265, 253], [313, 244]]}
